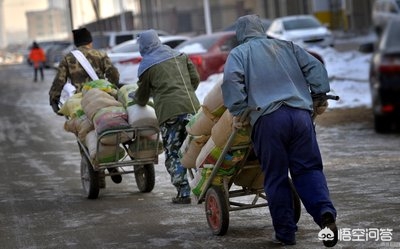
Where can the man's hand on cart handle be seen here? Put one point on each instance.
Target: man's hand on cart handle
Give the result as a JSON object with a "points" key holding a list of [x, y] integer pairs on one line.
{"points": [[244, 119]]}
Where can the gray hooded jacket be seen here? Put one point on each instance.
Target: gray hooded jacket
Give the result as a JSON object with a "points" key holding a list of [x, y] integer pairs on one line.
{"points": [[269, 73]]}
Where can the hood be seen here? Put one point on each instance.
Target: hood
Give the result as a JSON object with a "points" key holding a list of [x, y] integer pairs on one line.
{"points": [[248, 27], [152, 50]]}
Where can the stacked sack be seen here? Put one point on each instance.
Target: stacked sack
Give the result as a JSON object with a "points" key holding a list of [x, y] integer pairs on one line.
{"points": [[208, 133], [106, 114], [148, 143]]}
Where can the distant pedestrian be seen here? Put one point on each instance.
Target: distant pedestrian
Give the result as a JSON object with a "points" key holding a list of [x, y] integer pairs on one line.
{"points": [[37, 56]]}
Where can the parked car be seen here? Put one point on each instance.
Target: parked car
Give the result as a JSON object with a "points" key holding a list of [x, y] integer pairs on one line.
{"points": [[56, 52], [384, 78], [107, 40], [304, 30], [209, 52], [126, 56], [382, 12]]}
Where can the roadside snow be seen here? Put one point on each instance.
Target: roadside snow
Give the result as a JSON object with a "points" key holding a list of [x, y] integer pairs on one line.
{"points": [[348, 73]]}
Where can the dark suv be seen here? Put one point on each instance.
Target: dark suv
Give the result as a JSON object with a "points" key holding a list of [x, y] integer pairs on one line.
{"points": [[384, 79]]}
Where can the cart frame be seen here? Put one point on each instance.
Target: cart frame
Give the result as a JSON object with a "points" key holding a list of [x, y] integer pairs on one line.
{"points": [[93, 173]]}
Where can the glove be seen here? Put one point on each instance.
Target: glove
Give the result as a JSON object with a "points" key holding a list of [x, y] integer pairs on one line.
{"points": [[238, 123], [320, 103], [56, 108]]}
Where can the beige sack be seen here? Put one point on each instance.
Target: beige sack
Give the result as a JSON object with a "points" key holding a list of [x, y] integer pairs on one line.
{"points": [[146, 147], [190, 149], [96, 99], [222, 130], [250, 177], [214, 101], [199, 124], [105, 153]]}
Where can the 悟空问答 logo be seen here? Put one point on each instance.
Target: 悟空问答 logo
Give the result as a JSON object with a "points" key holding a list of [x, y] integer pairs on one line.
{"points": [[326, 234]]}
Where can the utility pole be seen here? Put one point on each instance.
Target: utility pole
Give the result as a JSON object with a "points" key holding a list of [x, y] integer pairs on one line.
{"points": [[70, 15], [207, 18], [122, 15]]}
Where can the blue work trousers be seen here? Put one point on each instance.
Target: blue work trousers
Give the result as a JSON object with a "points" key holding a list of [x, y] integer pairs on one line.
{"points": [[285, 141]]}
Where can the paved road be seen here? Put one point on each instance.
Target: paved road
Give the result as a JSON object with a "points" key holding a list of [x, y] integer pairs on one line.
{"points": [[42, 205]]}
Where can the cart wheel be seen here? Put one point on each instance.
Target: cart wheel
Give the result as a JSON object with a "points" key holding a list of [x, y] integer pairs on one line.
{"points": [[145, 177], [296, 202], [217, 212], [90, 179]]}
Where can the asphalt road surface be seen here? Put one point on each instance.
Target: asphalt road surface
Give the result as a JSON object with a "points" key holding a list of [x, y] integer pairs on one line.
{"points": [[42, 204]]}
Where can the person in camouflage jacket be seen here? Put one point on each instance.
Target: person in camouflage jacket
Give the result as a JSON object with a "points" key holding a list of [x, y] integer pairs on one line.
{"points": [[70, 68]]}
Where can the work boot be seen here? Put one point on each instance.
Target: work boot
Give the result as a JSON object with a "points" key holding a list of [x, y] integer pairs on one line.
{"points": [[183, 196], [281, 242], [115, 178], [328, 222], [182, 200]]}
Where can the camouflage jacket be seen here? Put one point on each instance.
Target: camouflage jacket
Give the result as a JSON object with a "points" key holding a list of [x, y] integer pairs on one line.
{"points": [[70, 68]]}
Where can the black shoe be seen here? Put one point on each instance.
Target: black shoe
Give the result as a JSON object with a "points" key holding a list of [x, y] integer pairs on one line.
{"points": [[328, 222], [275, 240], [182, 200], [115, 178]]}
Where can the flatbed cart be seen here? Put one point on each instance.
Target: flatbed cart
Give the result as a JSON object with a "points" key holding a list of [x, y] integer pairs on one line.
{"points": [[220, 199], [93, 173]]}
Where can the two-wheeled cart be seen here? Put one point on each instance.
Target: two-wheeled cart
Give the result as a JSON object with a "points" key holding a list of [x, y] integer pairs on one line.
{"points": [[242, 190], [246, 181], [93, 173]]}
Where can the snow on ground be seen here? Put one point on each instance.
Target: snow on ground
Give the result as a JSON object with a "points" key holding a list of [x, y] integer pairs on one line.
{"points": [[347, 71]]}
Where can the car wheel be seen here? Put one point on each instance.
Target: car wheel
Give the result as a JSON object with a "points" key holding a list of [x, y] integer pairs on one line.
{"points": [[382, 124]]}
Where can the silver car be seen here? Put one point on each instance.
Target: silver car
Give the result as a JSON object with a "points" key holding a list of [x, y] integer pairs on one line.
{"points": [[304, 30]]}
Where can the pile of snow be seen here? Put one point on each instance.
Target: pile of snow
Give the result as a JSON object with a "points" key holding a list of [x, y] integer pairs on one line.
{"points": [[347, 71]]}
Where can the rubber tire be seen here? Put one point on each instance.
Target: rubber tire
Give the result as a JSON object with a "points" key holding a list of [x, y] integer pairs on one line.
{"points": [[296, 203], [217, 210], [90, 179], [381, 124], [145, 177]]}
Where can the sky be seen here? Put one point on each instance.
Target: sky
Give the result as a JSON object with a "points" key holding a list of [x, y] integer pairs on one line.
{"points": [[348, 73]]}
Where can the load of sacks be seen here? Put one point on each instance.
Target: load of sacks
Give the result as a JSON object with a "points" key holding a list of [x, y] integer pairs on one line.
{"points": [[208, 132], [100, 108]]}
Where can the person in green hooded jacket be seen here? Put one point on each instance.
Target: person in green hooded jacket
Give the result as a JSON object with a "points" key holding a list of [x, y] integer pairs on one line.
{"points": [[170, 78]]}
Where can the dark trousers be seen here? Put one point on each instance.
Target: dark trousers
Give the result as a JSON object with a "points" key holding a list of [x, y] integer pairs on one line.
{"points": [[285, 141], [40, 69]]}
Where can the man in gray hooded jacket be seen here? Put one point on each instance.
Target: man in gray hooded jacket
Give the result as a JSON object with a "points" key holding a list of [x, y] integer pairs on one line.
{"points": [[280, 77]]}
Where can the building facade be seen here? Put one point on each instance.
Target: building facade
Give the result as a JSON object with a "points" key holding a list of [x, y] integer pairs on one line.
{"points": [[188, 16], [49, 24]]}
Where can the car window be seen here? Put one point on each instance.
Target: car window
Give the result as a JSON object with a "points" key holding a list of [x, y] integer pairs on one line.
{"points": [[125, 48], [229, 44], [174, 43], [303, 23], [122, 38], [275, 27], [391, 37]]}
